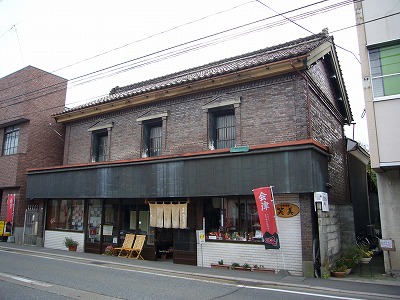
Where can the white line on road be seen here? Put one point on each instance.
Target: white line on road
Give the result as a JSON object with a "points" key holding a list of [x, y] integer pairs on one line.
{"points": [[299, 293], [25, 280]]}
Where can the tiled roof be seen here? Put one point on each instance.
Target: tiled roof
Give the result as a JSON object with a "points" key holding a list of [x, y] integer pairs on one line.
{"points": [[280, 52]]}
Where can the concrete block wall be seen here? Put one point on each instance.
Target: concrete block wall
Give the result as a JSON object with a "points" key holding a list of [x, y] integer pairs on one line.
{"points": [[347, 230], [389, 206], [329, 233]]}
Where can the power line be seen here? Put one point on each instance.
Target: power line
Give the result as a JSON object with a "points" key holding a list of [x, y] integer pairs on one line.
{"points": [[302, 27], [136, 41], [168, 55], [144, 62]]}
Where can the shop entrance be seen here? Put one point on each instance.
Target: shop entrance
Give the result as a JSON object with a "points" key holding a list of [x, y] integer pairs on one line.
{"points": [[176, 244], [164, 243]]}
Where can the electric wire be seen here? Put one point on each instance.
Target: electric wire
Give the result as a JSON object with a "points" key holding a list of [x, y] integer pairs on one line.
{"points": [[302, 27], [172, 55], [90, 75]]}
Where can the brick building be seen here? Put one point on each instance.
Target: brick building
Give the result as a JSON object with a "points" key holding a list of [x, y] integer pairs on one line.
{"points": [[28, 97], [201, 140]]}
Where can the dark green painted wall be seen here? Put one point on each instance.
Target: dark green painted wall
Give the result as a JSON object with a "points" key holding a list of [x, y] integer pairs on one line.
{"points": [[295, 171]]}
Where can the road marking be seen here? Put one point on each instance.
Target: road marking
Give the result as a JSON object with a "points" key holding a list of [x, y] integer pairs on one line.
{"points": [[190, 276], [70, 293], [25, 280], [299, 293]]}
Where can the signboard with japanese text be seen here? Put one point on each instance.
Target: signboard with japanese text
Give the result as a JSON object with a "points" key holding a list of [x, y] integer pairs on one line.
{"points": [[266, 212], [387, 245], [287, 210]]}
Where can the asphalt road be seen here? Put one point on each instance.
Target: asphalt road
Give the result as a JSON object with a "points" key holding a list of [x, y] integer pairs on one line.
{"points": [[35, 275]]}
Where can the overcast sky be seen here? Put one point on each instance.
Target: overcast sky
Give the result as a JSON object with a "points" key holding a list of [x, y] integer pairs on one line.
{"points": [[98, 45]]}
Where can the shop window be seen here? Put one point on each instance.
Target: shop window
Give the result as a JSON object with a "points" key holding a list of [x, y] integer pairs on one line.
{"points": [[65, 215], [385, 70], [94, 222], [232, 219], [222, 128], [11, 137], [110, 226]]}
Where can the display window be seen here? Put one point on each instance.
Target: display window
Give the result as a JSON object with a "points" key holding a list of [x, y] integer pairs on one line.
{"points": [[232, 219], [65, 215]]}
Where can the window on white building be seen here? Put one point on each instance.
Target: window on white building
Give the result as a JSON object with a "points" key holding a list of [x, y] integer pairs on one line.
{"points": [[385, 70]]}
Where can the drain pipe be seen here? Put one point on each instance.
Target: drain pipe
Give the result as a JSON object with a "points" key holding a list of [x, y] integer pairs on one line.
{"points": [[308, 99]]}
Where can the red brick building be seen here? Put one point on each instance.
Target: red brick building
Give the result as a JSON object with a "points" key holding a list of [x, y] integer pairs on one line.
{"points": [[28, 134], [205, 137]]}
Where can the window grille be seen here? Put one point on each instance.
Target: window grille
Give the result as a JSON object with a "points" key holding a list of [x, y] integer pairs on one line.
{"points": [[11, 137]]}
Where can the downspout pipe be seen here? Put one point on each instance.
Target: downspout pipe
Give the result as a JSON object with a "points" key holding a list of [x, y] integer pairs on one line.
{"points": [[308, 99]]}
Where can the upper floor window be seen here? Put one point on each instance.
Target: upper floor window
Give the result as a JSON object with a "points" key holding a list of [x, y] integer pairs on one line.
{"points": [[222, 128], [385, 70], [11, 137], [152, 133], [152, 138], [99, 151], [100, 141]]}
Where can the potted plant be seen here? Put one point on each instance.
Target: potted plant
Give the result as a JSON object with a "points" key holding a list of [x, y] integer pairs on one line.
{"points": [[71, 244], [110, 250], [235, 265], [350, 262], [220, 264], [246, 266], [364, 254], [339, 268], [261, 268]]}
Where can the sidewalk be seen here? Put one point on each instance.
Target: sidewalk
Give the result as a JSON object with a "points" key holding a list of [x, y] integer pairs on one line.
{"points": [[378, 285]]}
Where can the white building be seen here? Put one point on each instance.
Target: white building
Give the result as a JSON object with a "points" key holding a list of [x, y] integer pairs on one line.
{"points": [[378, 25]]}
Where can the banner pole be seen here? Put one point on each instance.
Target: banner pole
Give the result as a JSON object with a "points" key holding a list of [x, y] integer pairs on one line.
{"points": [[277, 228]]}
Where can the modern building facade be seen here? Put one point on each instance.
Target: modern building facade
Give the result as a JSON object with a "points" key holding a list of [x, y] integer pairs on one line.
{"points": [[183, 152], [28, 135], [379, 44]]}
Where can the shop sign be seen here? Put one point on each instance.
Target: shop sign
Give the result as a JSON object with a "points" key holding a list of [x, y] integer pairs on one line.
{"points": [[10, 207], [107, 230], [200, 237], [287, 210], [387, 245], [266, 212]]}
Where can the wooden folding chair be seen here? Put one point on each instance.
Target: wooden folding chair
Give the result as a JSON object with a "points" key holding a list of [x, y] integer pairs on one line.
{"points": [[125, 250], [137, 247]]}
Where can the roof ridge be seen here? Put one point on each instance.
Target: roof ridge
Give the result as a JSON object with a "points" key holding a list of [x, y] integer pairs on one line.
{"points": [[233, 63]]}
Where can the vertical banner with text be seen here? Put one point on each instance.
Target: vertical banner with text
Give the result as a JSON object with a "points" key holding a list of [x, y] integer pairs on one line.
{"points": [[266, 212], [10, 207]]}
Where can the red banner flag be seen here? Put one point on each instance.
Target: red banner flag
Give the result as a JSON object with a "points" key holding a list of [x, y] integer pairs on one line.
{"points": [[10, 207], [266, 214]]}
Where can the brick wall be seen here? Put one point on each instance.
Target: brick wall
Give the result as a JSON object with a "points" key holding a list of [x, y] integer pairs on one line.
{"points": [[271, 111], [33, 95], [327, 128]]}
